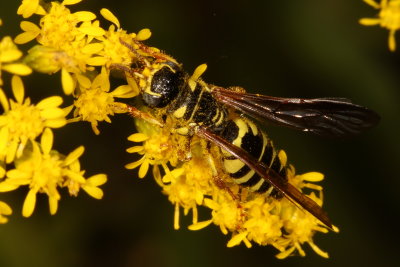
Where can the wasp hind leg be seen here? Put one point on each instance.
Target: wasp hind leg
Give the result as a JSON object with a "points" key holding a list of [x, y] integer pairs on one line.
{"points": [[220, 182]]}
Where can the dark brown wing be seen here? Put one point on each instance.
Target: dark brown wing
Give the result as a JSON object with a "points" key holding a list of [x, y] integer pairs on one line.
{"points": [[269, 175], [331, 117]]}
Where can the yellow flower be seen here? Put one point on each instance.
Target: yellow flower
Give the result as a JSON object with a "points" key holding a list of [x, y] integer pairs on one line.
{"points": [[114, 51], [29, 7], [23, 121], [66, 42], [9, 53], [4, 210], [44, 169], [95, 103], [388, 17], [157, 149]]}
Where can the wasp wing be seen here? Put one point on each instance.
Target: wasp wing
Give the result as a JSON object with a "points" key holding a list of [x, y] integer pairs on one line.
{"points": [[331, 117], [288, 190]]}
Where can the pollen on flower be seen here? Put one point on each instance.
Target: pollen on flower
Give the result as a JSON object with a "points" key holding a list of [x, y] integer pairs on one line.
{"points": [[388, 17]]}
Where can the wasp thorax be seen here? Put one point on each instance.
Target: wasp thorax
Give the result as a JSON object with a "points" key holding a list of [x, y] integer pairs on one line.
{"points": [[164, 86]]}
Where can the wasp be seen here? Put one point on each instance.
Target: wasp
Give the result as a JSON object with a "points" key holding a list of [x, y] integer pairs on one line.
{"points": [[215, 114]]}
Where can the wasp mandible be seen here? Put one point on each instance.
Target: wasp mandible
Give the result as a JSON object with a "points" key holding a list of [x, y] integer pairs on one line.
{"points": [[215, 114]]}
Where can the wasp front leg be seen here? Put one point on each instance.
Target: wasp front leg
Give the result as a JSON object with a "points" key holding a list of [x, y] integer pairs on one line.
{"points": [[136, 113]]}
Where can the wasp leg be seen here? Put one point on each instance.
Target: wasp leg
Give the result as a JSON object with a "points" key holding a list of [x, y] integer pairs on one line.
{"points": [[134, 112], [184, 151], [219, 181], [123, 68], [159, 56]]}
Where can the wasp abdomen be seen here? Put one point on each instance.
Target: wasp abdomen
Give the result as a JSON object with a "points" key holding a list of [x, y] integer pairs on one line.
{"points": [[246, 135]]}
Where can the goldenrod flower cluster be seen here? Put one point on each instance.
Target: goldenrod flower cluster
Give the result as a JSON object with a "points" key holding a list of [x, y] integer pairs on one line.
{"points": [[84, 53], [388, 17], [249, 218]]}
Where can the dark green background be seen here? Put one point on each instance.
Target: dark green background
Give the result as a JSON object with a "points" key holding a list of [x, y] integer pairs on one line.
{"points": [[304, 48]]}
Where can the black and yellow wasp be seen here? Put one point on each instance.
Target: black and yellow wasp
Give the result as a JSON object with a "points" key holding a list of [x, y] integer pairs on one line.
{"points": [[215, 114]]}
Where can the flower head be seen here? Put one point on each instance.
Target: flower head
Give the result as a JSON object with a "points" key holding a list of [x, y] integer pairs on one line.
{"points": [[23, 121], [44, 170], [65, 40], [388, 17], [94, 101]]}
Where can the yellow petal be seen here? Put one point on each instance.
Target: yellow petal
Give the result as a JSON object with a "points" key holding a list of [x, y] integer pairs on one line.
{"points": [[369, 22], [199, 225], [83, 81], [96, 61], [318, 250], [52, 113], [198, 72], [236, 239], [29, 203], [28, 26], [135, 164], [50, 102], [92, 30], [132, 83], [131, 150], [17, 68], [55, 123], [12, 149], [143, 169], [28, 8], [67, 81], [74, 155], [108, 15], [4, 101], [138, 137], [97, 179], [94, 192], [16, 174], [77, 177], [211, 204], [70, 2], [53, 204], [143, 34], [84, 16], [10, 55], [5, 209], [7, 187], [47, 141], [392, 41], [284, 254], [92, 48], [282, 157], [25, 37], [176, 217], [17, 88], [124, 91], [312, 176]]}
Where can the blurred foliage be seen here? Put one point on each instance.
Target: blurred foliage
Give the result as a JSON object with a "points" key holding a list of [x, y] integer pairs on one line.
{"points": [[304, 48]]}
